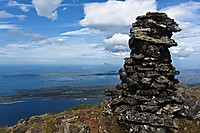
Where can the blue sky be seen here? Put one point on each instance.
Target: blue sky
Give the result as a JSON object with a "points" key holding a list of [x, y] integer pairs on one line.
{"points": [[88, 31]]}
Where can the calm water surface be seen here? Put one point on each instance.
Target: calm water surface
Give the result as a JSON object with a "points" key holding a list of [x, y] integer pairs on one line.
{"points": [[13, 77]]}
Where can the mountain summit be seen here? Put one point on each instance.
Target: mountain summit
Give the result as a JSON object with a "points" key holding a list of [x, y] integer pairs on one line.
{"points": [[148, 99]]}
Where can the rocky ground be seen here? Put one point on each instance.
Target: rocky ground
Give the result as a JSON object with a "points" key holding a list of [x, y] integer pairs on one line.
{"points": [[80, 119], [147, 99], [89, 119]]}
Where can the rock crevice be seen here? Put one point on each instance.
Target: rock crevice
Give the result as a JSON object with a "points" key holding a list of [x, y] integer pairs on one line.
{"points": [[147, 99]]}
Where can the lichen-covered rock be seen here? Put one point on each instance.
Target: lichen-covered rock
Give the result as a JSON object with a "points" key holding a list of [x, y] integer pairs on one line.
{"points": [[85, 129], [147, 99]]}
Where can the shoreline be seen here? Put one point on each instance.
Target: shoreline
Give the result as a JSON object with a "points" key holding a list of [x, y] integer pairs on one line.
{"points": [[67, 92]]}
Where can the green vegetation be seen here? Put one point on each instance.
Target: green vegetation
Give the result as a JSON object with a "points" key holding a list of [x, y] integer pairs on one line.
{"points": [[4, 130], [194, 91], [73, 120], [188, 126], [50, 125], [185, 125], [80, 107], [76, 73]]}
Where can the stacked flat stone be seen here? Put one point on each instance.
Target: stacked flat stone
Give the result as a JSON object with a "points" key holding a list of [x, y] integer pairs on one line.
{"points": [[147, 100]]}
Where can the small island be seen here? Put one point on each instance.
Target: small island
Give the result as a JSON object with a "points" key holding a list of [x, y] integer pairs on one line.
{"points": [[67, 92]]}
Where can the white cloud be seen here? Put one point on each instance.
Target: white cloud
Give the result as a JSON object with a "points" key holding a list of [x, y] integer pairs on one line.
{"points": [[117, 43], [43, 49], [115, 16], [184, 11], [23, 7], [59, 49], [8, 26], [187, 15], [121, 54], [187, 35], [55, 40], [4, 14], [95, 45], [185, 25], [83, 31], [18, 45], [47, 8], [113, 19], [65, 8], [182, 51], [32, 36], [75, 0]]}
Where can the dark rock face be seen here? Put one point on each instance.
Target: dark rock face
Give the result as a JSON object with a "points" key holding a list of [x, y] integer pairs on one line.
{"points": [[147, 100]]}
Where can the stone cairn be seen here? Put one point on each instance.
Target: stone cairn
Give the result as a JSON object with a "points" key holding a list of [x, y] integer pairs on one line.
{"points": [[147, 99]]}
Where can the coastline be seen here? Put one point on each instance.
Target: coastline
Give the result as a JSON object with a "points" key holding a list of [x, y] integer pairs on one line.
{"points": [[67, 92]]}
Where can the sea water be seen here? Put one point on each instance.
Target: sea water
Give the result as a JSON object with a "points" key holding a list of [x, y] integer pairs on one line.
{"points": [[13, 77], [38, 76]]}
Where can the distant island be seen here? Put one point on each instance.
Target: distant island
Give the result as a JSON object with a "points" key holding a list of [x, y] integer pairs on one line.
{"points": [[88, 118], [67, 92]]}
